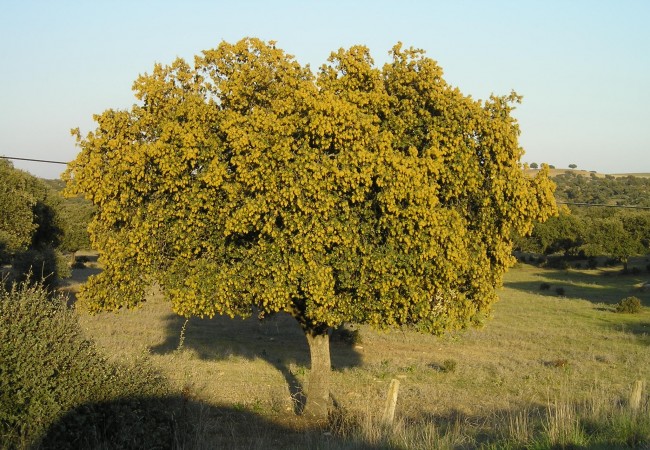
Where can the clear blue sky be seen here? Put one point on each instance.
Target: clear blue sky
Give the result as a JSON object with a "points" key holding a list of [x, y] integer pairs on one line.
{"points": [[583, 66]]}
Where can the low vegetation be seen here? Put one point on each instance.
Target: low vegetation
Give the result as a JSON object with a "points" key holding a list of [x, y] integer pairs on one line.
{"points": [[612, 232], [628, 190]]}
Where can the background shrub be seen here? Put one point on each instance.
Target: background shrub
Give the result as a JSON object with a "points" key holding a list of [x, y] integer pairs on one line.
{"points": [[48, 368], [629, 305], [544, 287], [46, 264]]}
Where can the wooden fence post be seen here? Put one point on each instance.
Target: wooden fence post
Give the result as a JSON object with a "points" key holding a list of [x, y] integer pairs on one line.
{"points": [[636, 395], [391, 402]]}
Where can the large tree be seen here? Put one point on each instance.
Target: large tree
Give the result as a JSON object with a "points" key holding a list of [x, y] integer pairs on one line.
{"points": [[620, 235], [247, 184], [564, 233]]}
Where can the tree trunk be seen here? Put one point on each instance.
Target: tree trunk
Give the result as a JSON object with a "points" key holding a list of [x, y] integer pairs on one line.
{"points": [[318, 384]]}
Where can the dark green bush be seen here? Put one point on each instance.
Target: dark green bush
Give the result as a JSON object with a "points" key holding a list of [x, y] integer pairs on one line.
{"points": [[560, 291], [346, 333], [544, 287], [629, 305], [557, 263], [48, 368], [45, 264]]}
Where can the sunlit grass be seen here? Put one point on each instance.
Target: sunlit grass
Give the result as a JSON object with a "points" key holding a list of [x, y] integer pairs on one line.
{"points": [[540, 371]]}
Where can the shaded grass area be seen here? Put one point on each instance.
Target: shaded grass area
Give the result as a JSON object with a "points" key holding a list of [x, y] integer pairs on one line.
{"points": [[179, 422], [603, 286], [277, 341], [546, 371]]}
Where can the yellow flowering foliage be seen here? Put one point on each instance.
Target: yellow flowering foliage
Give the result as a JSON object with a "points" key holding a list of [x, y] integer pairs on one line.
{"points": [[247, 184]]}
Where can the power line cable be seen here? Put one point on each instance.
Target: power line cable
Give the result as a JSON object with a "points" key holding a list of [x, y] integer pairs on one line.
{"points": [[33, 160]]}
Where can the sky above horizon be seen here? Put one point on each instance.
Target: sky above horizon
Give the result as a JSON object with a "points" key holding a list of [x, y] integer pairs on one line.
{"points": [[583, 67]]}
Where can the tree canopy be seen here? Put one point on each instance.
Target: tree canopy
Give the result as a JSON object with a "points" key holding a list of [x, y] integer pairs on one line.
{"points": [[247, 184], [18, 197], [31, 227], [30, 216], [619, 228], [619, 234]]}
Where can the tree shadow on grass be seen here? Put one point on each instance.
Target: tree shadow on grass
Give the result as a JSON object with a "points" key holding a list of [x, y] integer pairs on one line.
{"points": [[597, 286], [277, 339], [85, 266], [603, 288], [177, 422]]}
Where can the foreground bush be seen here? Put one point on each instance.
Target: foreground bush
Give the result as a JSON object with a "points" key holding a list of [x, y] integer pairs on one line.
{"points": [[48, 368]]}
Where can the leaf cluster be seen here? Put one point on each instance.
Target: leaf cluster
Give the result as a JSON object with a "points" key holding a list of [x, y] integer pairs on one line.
{"points": [[358, 194]]}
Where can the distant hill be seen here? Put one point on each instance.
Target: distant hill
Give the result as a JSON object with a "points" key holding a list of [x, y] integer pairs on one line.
{"points": [[641, 175], [55, 184], [589, 173], [581, 186]]}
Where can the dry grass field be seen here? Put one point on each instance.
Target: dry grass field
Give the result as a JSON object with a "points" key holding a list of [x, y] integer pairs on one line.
{"points": [[539, 369]]}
